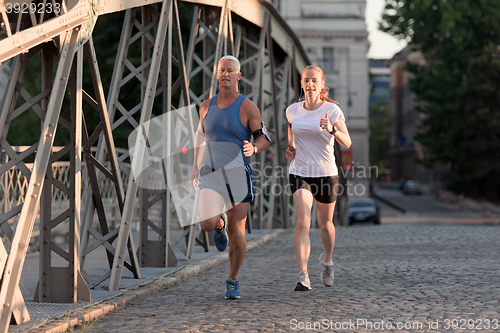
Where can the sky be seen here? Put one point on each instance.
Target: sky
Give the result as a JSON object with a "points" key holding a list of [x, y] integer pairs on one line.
{"points": [[383, 46]]}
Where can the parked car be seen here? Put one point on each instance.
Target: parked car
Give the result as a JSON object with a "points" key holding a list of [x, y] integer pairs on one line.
{"points": [[364, 210], [413, 187]]}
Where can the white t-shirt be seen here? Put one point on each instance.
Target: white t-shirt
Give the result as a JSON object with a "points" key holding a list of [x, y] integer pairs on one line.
{"points": [[313, 146]]}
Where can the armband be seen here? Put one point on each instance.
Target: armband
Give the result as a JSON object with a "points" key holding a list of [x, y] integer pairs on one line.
{"points": [[261, 131]]}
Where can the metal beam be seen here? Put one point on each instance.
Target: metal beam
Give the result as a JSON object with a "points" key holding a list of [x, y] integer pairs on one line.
{"points": [[19, 310], [24, 228], [140, 146]]}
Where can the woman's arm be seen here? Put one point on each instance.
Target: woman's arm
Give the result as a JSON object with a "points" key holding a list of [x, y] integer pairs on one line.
{"points": [[290, 152], [342, 134]]}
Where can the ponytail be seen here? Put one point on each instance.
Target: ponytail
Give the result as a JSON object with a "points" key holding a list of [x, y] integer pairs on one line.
{"points": [[324, 95]]}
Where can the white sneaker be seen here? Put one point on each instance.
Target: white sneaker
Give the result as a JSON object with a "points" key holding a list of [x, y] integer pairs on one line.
{"points": [[303, 283], [326, 273]]}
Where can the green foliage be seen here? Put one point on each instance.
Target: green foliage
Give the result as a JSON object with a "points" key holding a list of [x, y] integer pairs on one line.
{"points": [[379, 134], [458, 86]]}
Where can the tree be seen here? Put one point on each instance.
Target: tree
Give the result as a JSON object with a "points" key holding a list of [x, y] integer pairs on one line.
{"points": [[458, 86], [379, 134]]}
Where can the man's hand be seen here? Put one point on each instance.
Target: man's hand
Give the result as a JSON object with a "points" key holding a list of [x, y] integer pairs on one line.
{"points": [[290, 152], [194, 178], [248, 148]]}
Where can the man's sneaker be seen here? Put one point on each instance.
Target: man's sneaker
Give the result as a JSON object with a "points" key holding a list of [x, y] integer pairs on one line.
{"points": [[220, 235], [232, 289], [303, 283], [327, 272]]}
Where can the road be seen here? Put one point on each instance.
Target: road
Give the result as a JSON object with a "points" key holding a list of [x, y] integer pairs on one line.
{"points": [[409, 278]]}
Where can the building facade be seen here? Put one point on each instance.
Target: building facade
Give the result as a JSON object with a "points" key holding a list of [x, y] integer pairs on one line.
{"points": [[380, 78], [335, 37], [405, 152]]}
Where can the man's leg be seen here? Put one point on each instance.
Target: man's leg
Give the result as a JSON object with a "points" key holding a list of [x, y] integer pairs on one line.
{"points": [[210, 205], [237, 217]]}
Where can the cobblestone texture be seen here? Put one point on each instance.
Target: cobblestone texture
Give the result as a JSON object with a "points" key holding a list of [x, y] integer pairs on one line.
{"points": [[407, 275]]}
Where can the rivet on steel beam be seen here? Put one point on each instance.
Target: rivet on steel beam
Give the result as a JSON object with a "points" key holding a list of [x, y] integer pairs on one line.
{"points": [[6, 305], [33, 195]]}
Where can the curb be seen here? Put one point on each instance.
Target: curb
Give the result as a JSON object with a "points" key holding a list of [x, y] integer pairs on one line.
{"points": [[388, 202], [149, 288]]}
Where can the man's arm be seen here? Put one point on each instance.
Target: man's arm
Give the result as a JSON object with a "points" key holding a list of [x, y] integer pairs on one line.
{"points": [[254, 121], [199, 145]]}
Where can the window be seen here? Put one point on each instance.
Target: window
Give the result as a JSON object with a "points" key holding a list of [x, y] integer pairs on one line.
{"points": [[328, 60], [331, 93]]}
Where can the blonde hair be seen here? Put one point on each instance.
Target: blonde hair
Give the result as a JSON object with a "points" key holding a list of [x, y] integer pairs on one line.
{"points": [[325, 89]]}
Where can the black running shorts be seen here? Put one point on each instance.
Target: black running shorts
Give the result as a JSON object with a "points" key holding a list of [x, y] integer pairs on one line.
{"points": [[323, 189]]}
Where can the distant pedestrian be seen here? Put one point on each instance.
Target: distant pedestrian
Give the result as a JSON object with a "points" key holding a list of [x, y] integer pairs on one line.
{"points": [[313, 126]]}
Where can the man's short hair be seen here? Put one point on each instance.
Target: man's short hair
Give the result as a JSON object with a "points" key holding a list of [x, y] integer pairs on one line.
{"points": [[230, 57]]}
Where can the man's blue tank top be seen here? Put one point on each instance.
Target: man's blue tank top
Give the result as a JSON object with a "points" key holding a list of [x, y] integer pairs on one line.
{"points": [[224, 135]]}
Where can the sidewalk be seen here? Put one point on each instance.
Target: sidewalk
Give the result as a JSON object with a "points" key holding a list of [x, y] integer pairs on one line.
{"points": [[401, 279], [487, 209], [58, 317]]}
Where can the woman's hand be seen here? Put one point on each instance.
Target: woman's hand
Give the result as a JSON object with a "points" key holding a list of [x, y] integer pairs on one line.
{"points": [[324, 123], [290, 152]]}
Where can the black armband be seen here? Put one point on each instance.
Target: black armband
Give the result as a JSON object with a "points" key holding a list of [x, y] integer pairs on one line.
{"points": [[257, 133], [261, 131]]}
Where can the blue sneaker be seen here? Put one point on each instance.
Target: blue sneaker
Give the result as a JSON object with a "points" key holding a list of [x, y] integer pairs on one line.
{"points": [[220, 235], [232, 289]]}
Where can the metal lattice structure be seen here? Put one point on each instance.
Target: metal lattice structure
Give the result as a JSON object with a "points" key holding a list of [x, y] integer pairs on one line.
{"points": [[168, 72]]}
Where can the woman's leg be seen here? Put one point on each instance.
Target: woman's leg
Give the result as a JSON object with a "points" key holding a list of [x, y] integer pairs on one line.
{"points": [[302, 200], [327, 229]]}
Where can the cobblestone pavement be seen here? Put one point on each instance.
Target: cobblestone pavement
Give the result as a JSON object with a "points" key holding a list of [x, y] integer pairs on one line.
{"points": [[413, 279]]}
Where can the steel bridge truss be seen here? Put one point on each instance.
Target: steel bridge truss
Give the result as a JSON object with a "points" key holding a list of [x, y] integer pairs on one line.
{"points": [[170, 81]]}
